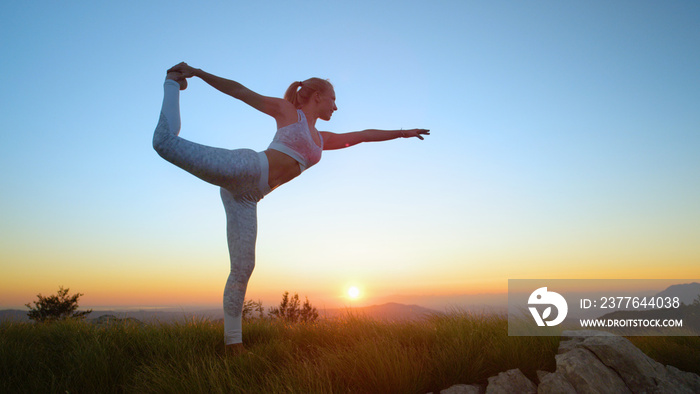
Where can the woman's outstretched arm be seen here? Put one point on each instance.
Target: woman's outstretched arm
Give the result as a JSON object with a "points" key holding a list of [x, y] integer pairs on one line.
{"points": [[345, 140], [276, 107]]}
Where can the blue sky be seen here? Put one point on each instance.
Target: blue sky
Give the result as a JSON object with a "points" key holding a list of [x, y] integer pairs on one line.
{"points": [[564, 144]]}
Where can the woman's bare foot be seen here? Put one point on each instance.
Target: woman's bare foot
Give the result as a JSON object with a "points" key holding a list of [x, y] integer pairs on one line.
{"points": [[236, 349], [177, 77]]}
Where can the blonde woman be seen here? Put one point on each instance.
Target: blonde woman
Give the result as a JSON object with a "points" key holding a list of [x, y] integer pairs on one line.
{"points": [[246, 176]]}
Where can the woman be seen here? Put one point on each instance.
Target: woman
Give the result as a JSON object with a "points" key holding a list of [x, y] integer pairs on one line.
{"points": [[246, 176]]}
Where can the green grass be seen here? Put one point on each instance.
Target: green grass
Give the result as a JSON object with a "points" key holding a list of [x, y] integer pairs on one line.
{"points": [[351, 354]]}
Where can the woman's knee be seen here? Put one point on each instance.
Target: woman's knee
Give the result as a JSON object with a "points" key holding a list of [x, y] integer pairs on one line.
{"points": [[241, 271], [161, 135], [164, 140]]}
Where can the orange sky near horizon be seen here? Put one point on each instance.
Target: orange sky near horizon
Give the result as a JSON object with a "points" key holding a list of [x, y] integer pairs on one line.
{"points": [[190, 289]]}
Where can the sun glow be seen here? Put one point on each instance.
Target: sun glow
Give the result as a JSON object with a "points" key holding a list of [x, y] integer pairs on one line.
{"points": [[353, 292]]}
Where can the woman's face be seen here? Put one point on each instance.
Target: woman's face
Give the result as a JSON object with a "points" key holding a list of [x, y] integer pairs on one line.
{"points": [[327, 104]]}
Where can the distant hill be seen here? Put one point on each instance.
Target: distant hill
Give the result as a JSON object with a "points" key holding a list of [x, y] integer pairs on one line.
{"points": [[147, 316], [13, 315], [389, 311], [689, 313], [687, 293]]}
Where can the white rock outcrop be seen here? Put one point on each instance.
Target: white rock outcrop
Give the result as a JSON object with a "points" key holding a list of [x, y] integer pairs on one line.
{"points": [[593, 362]]}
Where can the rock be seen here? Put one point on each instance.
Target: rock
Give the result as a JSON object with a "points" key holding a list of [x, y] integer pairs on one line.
{"points": [[512, 381], [594, 362], [639, 372], [571, 338], [586, 373], [608, 363], [463, 389], [684, 379], [565, 346], [554, 383]]}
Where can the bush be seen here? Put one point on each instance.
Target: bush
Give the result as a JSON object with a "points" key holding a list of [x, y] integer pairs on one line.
{"points": [[56, 307], [290, 311], [250, 306]]}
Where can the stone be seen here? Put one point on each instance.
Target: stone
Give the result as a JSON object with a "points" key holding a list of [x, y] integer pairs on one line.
{"points": [[593, 362], [638, 371], [684, 379], [565, 346], [463, 389], [587, 373], [511, 381], [571, 338], [554, 383]]}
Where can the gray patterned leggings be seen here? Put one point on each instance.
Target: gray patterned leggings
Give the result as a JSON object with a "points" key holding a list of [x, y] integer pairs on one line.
{"points": [[242, 175]]}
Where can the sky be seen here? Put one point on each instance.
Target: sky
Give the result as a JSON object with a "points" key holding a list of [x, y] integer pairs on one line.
{"points": [[564, 144]]}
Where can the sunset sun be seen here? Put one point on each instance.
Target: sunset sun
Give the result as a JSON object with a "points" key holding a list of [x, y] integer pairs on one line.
{"points": [[353, 292]]}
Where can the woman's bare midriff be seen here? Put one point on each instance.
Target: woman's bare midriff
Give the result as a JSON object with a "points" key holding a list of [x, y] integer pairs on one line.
{"points": [[282, 168]]}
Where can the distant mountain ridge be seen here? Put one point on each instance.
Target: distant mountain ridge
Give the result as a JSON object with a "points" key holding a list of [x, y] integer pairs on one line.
{"points": [[13, 315], [387, 311], [141, 315], [686, 293]]}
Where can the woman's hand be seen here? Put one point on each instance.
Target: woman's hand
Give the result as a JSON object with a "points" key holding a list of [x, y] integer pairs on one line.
{"points": [[184, 69], [414, 133]]}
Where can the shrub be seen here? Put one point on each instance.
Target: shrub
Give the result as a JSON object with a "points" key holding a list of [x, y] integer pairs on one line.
{"points": [[290, 311], [250, 306], [56, 307]]}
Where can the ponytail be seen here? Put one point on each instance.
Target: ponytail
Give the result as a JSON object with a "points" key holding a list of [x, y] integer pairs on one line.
{"points": [[292, 94], [299, 93]]}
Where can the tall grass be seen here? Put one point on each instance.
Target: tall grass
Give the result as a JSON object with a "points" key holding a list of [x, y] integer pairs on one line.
{"points": [[349, 354]]}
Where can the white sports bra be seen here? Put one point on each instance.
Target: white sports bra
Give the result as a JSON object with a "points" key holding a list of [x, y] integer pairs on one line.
{"points": [[295, 141]]}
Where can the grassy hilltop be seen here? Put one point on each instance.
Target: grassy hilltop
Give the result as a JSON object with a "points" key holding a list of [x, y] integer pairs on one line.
{"points": [[345, 354]]}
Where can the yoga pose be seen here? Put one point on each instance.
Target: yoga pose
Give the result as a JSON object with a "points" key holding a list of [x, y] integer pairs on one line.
{"points": [[246, 176]]}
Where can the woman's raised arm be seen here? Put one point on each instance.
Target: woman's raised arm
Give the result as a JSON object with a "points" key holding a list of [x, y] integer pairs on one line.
{"points": [[278, 108], [345, 140]]}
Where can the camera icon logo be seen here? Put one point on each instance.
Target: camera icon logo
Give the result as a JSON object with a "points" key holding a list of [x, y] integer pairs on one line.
{"points": [[543, 297]]}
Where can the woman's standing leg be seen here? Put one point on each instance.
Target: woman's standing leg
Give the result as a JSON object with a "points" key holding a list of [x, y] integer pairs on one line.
{"points": [[241, 233], [242, 230]]}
